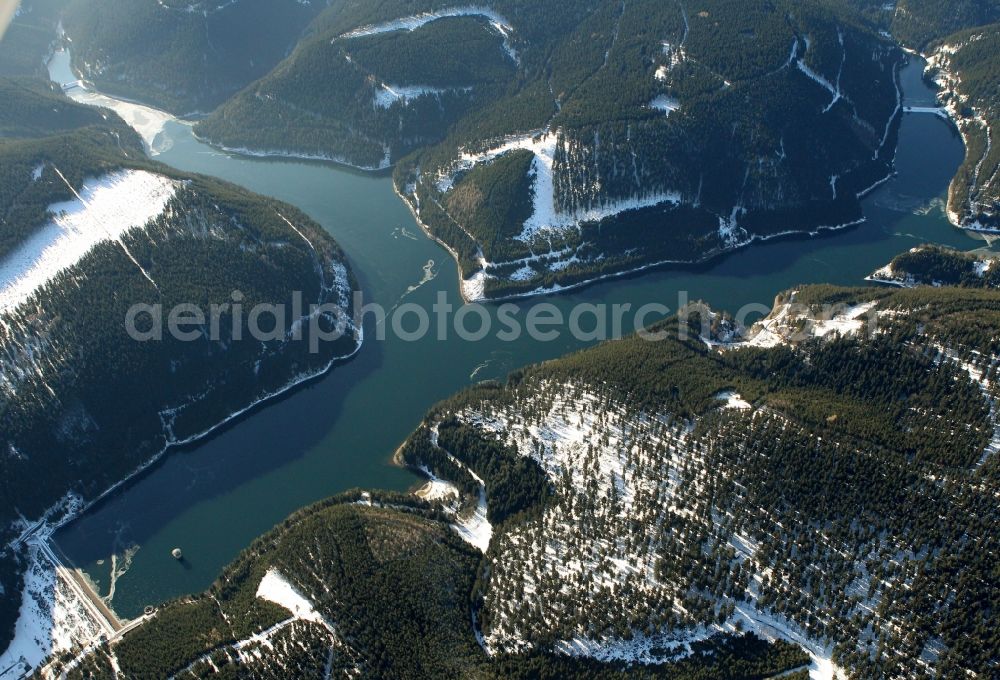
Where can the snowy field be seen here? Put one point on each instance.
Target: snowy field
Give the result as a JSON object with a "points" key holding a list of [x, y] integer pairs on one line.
{"points": [[275, 588], [106, 208], [52, 619]]}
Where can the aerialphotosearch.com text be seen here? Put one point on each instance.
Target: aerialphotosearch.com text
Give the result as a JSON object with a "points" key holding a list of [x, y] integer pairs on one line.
{"points": [[541, 321]]}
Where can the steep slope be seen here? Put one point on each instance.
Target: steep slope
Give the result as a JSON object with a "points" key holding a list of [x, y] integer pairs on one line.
{"points": [[936, 266], [182, 55], [89, 228], [831, 481], [966, 67], [918, 23], [828, 482], [29, 37], [364, 585], [368, 98], [582, 140]]}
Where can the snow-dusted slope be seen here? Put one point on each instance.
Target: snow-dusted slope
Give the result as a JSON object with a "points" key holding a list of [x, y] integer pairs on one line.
{"points": [[412, 23], [106, 208]]}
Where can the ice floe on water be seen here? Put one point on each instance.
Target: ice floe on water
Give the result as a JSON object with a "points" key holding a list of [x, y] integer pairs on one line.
{"points": [[107, 208], [145, 120]]}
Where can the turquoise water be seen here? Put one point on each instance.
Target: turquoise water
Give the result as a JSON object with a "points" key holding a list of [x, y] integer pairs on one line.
{"points": [[339, 432]]}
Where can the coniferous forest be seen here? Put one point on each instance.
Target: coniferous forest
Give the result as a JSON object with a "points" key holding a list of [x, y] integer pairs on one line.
{"points": [[815, 496]]}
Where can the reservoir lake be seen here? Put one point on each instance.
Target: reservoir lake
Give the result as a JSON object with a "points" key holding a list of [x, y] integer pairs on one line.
{"points": [[339, 432]]}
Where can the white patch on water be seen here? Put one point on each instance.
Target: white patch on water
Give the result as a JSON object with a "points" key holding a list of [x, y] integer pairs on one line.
{"points": [[145, 120], [110, 206]]}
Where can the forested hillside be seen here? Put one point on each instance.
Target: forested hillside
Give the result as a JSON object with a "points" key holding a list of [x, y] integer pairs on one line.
{"points": [[826, 479], [918, 23], [364, 585], [967, 68], [28, 39], [831, 479], [90, 227], [182, 55], [646, 131], [936, 266], [37, 123]]}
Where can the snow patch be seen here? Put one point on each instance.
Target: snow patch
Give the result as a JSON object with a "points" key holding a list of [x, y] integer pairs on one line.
{"points": [[783, 326], [774, 628], [412, 23], [733, 401], [387, 95], [666, 104], [108, 208], [275, 588], [545, 218], [51, 620], [436, 489], [474, 287]]}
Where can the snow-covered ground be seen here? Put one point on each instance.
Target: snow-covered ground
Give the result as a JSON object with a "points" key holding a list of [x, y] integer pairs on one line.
{"points": [[890, 276], [545, 219], [732, 400], [108, 207], [52, 619], [819, 79], [666, 104], [772, 627], [782, 326], [473, 525], [387, 95], [436, 489], [619, 477], [956, 104], [474, 287], [413, 22], [275, 588]]}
